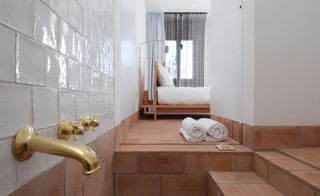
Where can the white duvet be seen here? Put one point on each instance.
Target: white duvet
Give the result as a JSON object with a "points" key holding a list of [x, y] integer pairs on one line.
{"points": [[183, 95]]}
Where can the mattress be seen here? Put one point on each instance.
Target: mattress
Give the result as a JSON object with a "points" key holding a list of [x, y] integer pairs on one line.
{"points": [[183, 95]]}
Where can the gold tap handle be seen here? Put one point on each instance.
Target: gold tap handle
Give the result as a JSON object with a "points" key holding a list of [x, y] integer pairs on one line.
{"points": [[78, 129], [95, 123], [86, 122]]}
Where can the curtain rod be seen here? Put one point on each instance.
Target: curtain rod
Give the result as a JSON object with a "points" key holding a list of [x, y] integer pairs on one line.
{"points": [[185, 12]]}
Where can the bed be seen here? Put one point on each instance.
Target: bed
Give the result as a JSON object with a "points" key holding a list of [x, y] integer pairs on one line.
{"points": [[176, 100]]}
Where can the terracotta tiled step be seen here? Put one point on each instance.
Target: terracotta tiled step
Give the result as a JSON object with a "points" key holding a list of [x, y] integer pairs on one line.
{"points": [[180, 159], [310, 156], [238, 184], [288, 175], [177, 170]]}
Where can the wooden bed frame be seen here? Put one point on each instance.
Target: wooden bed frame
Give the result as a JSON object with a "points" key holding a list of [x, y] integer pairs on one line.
{"points": [[170, 109]]}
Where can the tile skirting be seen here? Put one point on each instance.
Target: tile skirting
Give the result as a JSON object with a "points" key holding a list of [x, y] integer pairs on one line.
{"points": [[271, 137]]}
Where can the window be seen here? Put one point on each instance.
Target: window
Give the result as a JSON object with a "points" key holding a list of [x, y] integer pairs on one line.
{"points": [[184, 56]]}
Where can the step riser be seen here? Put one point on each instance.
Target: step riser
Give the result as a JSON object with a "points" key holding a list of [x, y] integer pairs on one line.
{"points": [[173, 173], [282, 180]]}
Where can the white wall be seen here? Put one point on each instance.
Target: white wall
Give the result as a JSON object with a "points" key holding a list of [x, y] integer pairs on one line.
{"points": [[178, 5], [226, 59], [55, 64], [129, 31], [248, 62], [287, 60]]}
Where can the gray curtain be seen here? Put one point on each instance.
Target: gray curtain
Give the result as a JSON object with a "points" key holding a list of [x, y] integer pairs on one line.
{"points": [[155, 46], [188, 30]]}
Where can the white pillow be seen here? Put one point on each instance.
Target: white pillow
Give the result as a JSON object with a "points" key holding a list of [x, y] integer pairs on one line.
{"points": [[164, 77]]}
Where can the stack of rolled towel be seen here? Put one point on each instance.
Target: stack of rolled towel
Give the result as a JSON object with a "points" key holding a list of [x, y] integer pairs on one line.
{"points": [[203, 129]]}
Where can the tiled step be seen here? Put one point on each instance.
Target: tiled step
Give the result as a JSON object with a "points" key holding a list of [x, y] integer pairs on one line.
{"points": [[289, 176], [238, 184], [159, 159], [310, 156], [179, 170]]}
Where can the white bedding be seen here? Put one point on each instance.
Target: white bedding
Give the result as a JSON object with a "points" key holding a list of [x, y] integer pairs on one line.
{"points": [[183, 95]]}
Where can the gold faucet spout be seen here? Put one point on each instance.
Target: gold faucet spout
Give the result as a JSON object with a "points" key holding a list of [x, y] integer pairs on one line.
{"points": [[26, 142]]}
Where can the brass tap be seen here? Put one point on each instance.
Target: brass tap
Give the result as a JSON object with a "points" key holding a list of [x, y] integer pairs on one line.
{"points": [[95, 123], [26, 142], [86, 123], [67, 129]]}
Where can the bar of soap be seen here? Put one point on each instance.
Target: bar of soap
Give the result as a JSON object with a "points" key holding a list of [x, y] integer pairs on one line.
{"points": [[225, 147]]}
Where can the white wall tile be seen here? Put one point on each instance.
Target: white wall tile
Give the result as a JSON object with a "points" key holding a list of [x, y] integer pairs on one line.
{"points": [[82, 105], [45, 107], [74, 75], [8, 164], [60, 6], [67, 106], [92, 56], [18, 15], [66, 39], [80, 49], [7, 54], [86, 79], [83, 4], [16, 109], [56, 70], [36, 44], [87, 27], [75, 15], [93, 104], [45, 25], [95, 81], [30, 62]]}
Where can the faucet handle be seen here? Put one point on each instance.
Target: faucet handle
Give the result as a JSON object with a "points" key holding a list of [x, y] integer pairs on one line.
{"points": [[65, 130], [95, 123], [78, 129], [86, 122]]}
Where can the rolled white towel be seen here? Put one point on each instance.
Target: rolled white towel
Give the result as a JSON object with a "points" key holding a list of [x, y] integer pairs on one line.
{"points": [[188, 137], [194, 129], [214, 128]]}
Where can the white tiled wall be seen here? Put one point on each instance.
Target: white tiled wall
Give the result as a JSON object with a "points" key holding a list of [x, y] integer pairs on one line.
{"points": [[56, 63]]}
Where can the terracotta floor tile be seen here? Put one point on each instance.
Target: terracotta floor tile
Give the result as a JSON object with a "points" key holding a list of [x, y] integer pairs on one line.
{"points": [[125, 162], [274, 137], [248, 190], [287, 184], [242, 162], [138, 148], [236, 131], [311, 177], [161, 163], [236, 177], [310, 156], [261, 167], [137, 185], [247, 135], [95, 183], [270, 155], [74, 176], [212, 187], [105, 144], [184, 185], [310, 136], [290, 165], [183, 148], [50, 182], [142, 141], [202, 163]]}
